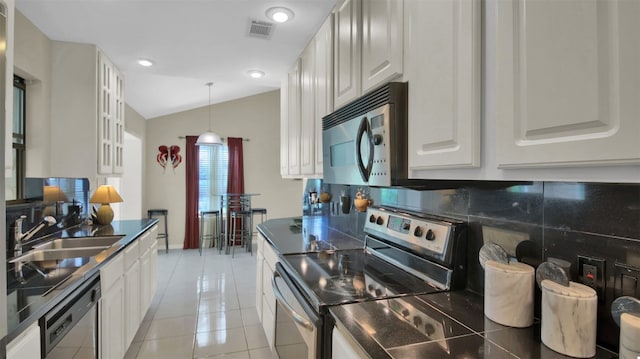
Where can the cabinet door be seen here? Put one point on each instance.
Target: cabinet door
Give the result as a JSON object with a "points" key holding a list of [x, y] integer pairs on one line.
{"points": [[118, 122], [343, 347], [132, 312], [26, 345], [324, 84], [106, 116], [307, 109], [153, 273], [145, 282], [111, 321], [347, 24], [382, 47], [568, 79], [259, 263], [442, 58], [284, 127], [293, 119]]}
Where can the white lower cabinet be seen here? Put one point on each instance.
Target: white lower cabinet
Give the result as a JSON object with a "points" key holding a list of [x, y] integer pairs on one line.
{"points": [[265, 299], [111, 309], [132, 291], [128, 283], [342, 346], [26, 345]]}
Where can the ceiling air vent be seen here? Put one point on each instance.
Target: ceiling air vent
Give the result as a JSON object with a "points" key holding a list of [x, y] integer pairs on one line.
{"points": [[261, 29]]}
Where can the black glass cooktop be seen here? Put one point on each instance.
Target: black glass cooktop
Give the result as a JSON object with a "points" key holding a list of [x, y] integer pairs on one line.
{"points": [[339, 277]]}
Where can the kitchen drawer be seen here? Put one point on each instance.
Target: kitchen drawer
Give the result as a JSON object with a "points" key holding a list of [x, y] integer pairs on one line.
{"points": [[112, 272], [131, 254], [146, 240], [270, 255]]}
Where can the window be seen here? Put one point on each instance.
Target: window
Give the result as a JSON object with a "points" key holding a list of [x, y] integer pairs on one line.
{"points": [[214, 164], [14, 185]]}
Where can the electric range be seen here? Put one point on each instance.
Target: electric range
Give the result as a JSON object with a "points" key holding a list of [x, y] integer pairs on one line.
{"points": [[404, 254]]}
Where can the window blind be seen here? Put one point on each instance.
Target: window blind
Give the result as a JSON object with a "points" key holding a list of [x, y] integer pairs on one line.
{"points": [[212, 177]]}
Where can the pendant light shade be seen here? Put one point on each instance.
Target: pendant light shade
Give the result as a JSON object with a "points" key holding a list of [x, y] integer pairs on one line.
{"points": [[209, 138]]}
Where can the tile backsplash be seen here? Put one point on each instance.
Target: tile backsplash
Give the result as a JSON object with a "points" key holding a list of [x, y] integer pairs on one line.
{"points": [[533, 222]]}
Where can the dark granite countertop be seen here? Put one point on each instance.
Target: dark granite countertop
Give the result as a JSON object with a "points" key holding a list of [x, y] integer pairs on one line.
{"points": [[450, 325], [29, 301], [306, 234]]}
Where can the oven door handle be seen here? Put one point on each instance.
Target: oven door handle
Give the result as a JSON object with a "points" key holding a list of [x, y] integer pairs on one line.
{"points": [[307, 324]]}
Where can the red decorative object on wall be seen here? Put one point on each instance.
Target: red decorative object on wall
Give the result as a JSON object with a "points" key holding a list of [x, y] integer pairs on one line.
{"points": [[169, 156]]}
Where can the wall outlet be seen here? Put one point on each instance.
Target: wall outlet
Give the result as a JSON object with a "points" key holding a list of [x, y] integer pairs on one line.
{"points": [[627, 280], [591, 272]]}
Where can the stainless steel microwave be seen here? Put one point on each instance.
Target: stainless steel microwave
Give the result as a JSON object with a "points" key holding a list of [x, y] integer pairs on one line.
{"points": [[365, 142]]}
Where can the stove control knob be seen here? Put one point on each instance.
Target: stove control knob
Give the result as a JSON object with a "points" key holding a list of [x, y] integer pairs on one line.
{"points": [[380, 220], [406, 226], [417, 321], [372, 218], [429, 329], [418, 231], [405, 312], [431, 236]]}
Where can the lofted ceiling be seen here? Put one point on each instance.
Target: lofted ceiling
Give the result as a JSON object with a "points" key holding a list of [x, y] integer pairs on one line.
{"points": [[191, 42]]}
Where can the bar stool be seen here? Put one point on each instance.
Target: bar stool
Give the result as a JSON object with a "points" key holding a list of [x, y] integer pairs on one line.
{"points": [[213, 235], [161, 212], [244, 217]]}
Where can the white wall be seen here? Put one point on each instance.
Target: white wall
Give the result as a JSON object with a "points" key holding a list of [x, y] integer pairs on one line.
{"points": [[129, 185], [256, 118]]}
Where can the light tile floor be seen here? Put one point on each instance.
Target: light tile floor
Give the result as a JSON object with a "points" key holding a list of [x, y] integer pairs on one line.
{"points": [[204, 308]]}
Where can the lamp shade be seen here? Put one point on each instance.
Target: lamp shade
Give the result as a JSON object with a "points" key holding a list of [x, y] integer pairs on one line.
{"points": [[54, 194], [105, 194], [208, 139]]}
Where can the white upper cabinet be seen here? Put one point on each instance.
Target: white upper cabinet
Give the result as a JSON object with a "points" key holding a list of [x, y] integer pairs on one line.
{"points": [[293, 119], [382, 35], [284, 127], [442, 67], [347, 51], [324, 84], [368, 38], [87, 112], [307, 96], [110, 117], [307, 109], [568, 83]]}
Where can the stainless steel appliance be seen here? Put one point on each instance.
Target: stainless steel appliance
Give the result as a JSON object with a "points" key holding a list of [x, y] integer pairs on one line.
{"points": [[70, 329], [404, 254], [365, 142]]}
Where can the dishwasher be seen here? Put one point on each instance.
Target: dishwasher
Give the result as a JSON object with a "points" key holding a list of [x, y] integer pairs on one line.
{"points": [[70, 329]]}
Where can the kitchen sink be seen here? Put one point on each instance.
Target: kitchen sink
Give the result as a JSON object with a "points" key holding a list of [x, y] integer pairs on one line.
{"points": [[42, 256], [83, 242]]}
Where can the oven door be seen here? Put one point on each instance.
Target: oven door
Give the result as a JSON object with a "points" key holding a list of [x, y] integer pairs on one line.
{"points": [[297, 333]]}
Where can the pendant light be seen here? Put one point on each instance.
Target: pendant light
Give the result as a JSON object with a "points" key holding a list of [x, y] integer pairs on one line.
{"points": [[209, 138]]}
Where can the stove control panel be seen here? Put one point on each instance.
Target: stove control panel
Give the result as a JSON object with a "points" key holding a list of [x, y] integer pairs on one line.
{"points": [[410, 230]]}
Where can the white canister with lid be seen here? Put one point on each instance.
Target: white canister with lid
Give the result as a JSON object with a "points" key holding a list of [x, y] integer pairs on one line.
{"points": [[569, 318], [629, 336], [508, 293]]}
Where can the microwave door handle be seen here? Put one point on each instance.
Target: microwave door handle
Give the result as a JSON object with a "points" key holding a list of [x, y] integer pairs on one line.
{"points": [[308, 325], [365, 172]]}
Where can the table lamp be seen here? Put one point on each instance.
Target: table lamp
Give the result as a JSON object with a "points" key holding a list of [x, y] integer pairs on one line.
{"points": [[104, 195], [53, 197]]}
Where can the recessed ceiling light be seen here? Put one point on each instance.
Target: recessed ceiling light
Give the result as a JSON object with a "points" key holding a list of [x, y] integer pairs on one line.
{"points": [[145, 62], [256, 74], [279, 14]]}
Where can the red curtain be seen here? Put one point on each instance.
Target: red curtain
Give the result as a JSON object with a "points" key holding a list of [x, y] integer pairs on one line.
{"points": [[235, 177], [191, 228]]}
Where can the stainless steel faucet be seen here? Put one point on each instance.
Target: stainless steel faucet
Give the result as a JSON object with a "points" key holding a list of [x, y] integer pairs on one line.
{"points": [[20, 238]]}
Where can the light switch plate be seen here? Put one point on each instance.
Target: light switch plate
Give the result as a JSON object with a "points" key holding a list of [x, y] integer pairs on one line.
{"points": [[591, 272], [627, 280]]}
